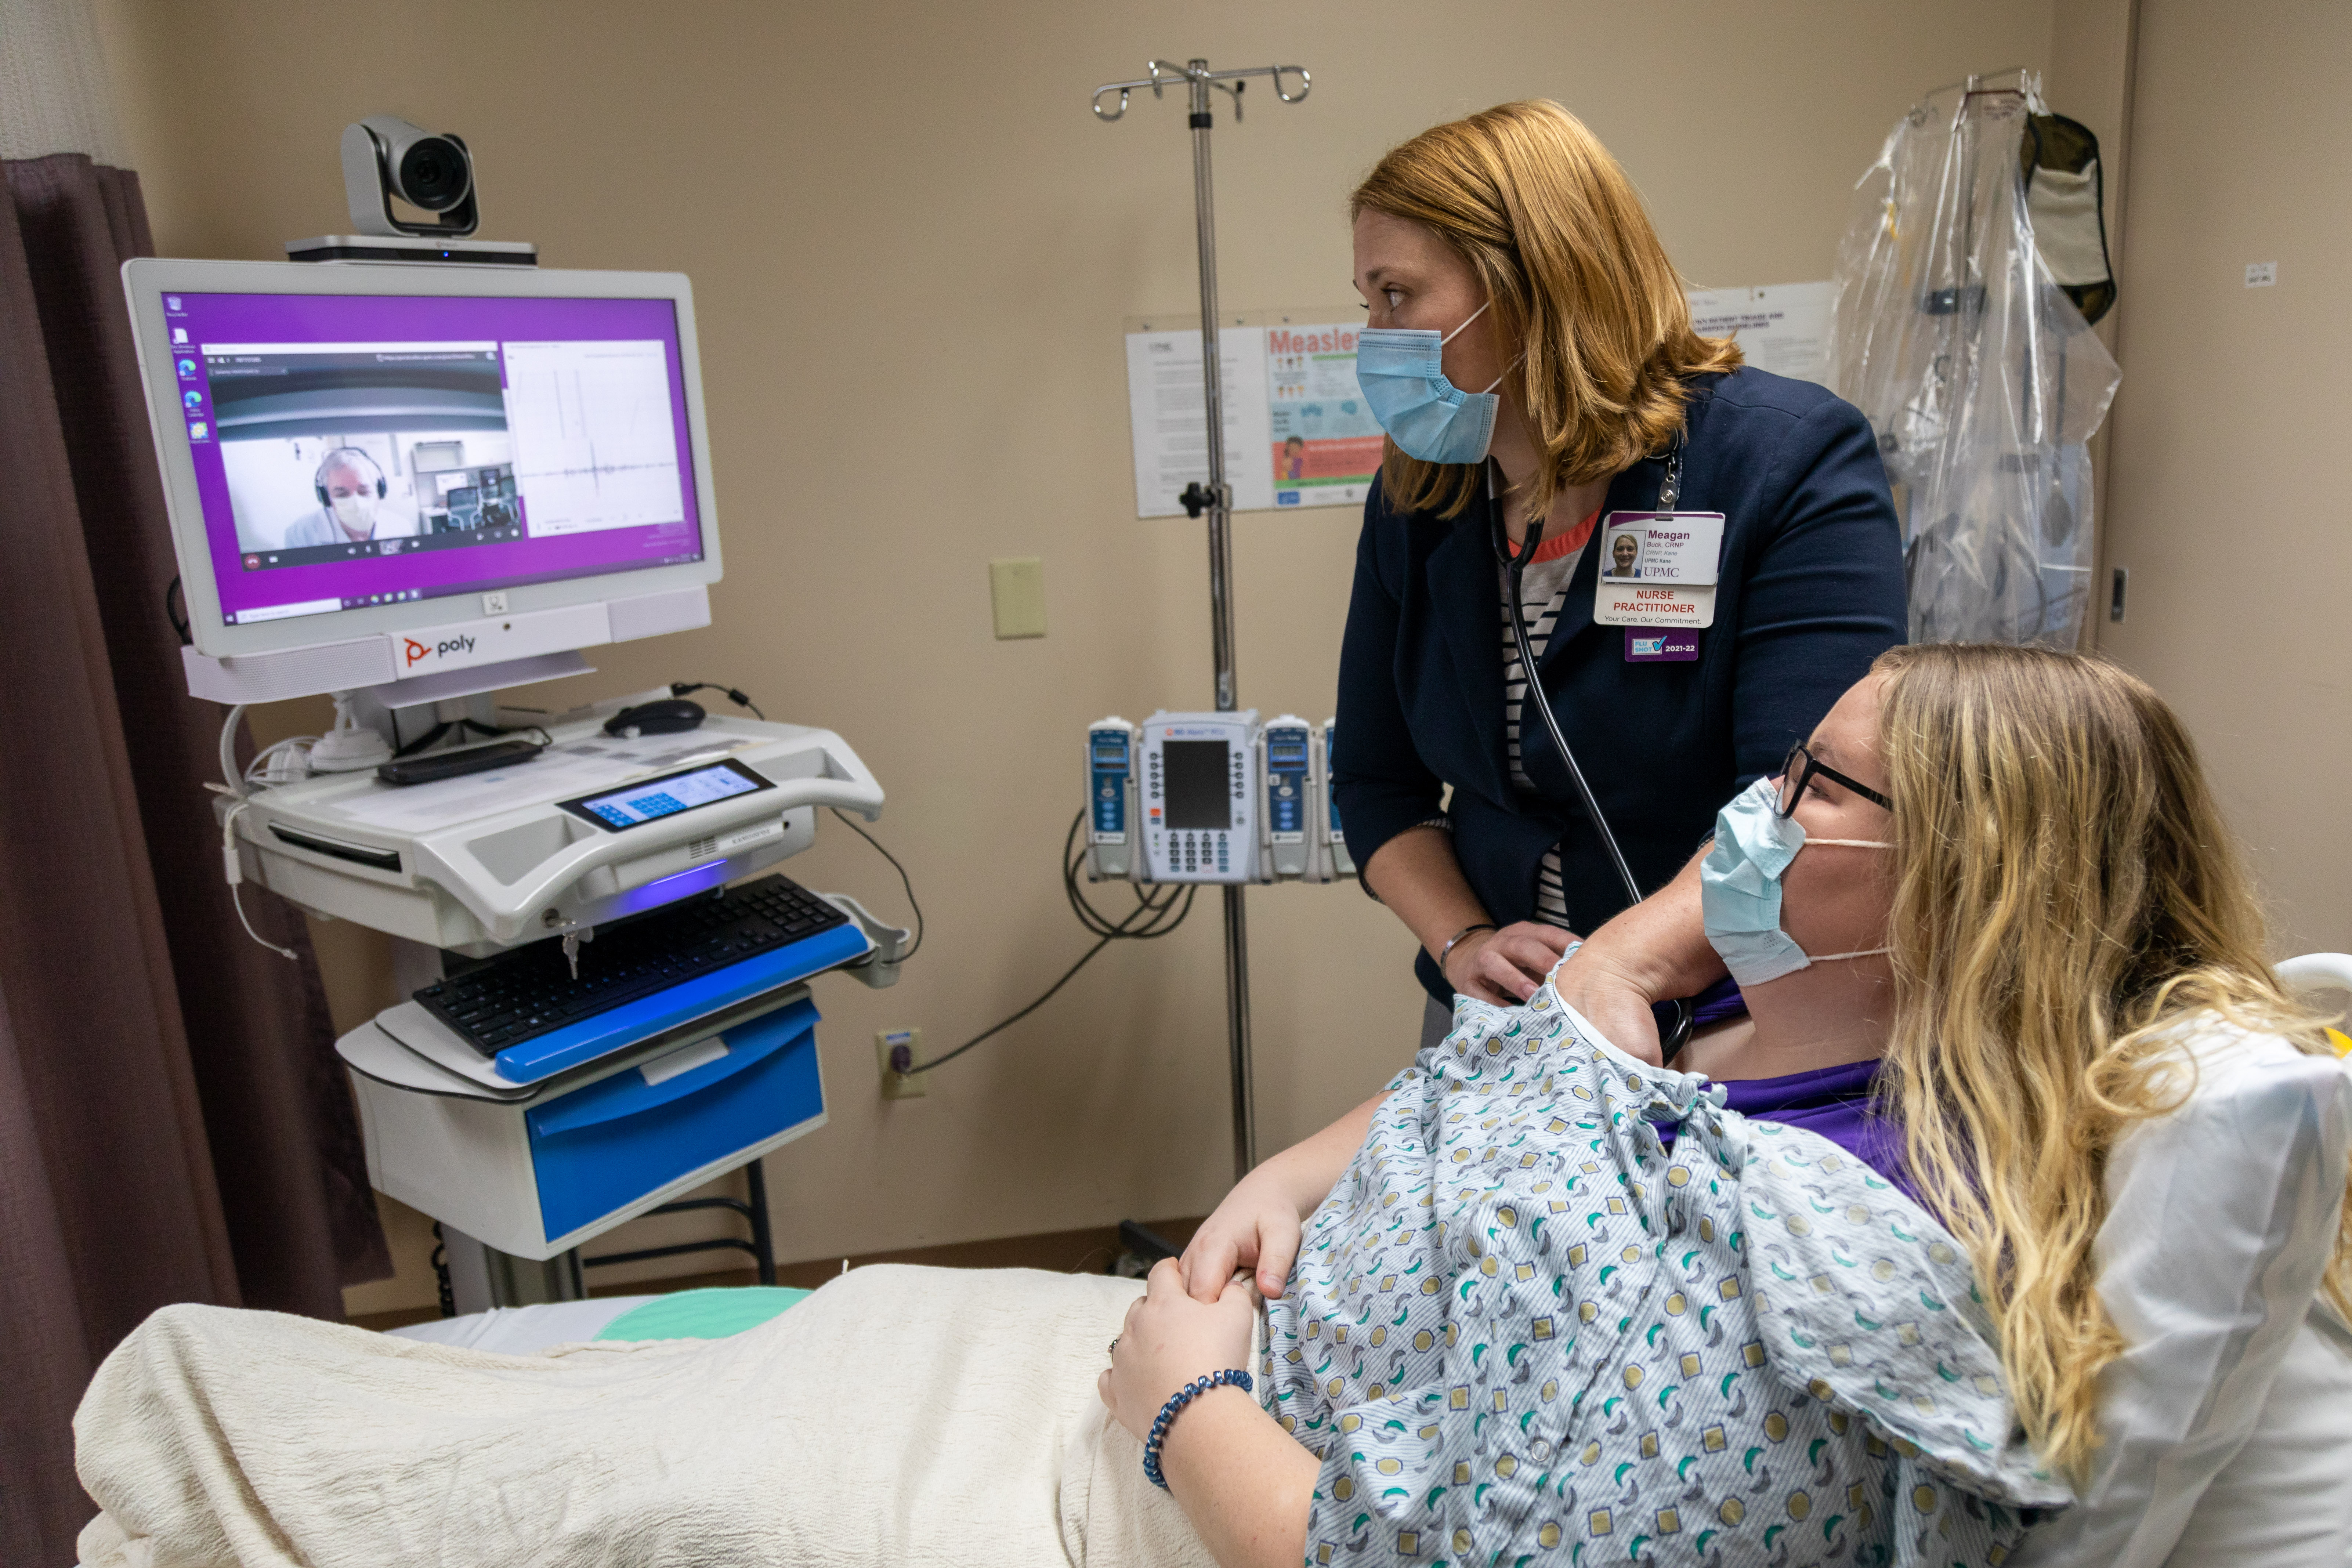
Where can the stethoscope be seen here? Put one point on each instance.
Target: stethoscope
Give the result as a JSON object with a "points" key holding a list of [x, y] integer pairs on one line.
{"points": [[1515, 565]]}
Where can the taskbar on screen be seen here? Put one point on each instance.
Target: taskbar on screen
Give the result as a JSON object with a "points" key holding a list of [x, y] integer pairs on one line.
{"points": [[260, 612]]}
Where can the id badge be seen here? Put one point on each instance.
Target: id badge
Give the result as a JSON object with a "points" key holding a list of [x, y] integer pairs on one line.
{"points": [[1658, 569]]}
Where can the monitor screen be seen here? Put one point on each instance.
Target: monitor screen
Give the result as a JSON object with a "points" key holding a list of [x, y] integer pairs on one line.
{"points": [[357, 449], [650, 800], [1197, 795]]}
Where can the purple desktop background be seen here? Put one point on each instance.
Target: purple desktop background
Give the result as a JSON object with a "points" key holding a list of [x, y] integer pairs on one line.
{"points": [[349, 318]]}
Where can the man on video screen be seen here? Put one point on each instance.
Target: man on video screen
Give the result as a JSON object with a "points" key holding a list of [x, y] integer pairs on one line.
{"points": [[352, 508]]}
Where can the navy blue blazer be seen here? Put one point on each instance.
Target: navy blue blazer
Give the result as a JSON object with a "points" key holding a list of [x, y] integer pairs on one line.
{"points": [[1811, 590]]}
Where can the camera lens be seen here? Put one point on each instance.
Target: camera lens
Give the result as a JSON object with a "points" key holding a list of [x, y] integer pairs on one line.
{"points": [[433, 174]]}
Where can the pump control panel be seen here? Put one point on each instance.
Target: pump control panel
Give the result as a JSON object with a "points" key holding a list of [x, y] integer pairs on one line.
{"points": [[1286, 754], [1111, 799], [1199, 794]]}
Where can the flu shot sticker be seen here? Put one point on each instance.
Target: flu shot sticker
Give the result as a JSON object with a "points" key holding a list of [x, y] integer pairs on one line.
{"points": [[1657, 645]]}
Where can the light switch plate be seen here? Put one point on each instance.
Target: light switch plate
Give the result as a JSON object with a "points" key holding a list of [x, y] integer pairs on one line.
{"points": [[1016, 592]]}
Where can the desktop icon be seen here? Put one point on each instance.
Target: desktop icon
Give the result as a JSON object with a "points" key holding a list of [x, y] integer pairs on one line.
{"points": [[200, 431], [193, 398], [171, 301], [187, 370], [179, 335]]}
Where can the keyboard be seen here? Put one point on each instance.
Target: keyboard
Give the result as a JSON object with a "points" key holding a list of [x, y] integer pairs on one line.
{"points": [[526, 1011]]}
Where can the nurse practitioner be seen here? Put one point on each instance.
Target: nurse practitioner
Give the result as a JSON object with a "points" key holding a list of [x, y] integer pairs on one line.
{"points": [[1530, 354]]}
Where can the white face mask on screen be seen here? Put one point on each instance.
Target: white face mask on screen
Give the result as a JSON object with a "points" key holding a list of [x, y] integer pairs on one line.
{"points": [[356, 513]]}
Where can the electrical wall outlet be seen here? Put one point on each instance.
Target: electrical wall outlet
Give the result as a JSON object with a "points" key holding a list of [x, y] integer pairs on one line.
{"points": [[887, 1046], [1016, 594]]}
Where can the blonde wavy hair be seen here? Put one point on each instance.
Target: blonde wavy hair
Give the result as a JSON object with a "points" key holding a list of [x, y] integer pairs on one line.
{"points": [[2065, 896], [1559, 239]]}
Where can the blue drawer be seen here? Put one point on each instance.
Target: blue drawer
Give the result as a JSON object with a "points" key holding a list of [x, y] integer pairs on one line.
{"points": [[603, 1147]]}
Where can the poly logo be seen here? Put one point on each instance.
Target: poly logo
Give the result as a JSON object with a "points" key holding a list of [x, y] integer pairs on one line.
{"points": [[416, 652]]}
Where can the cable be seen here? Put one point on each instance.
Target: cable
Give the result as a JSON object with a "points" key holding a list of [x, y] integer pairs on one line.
{"points": [[1162, 911], [1155, 904], [904, 880], [681, 688], [177, 613], [233, 867], [229, 753], [267, 770]]}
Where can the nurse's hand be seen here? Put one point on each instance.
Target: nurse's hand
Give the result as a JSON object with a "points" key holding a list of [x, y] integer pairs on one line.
{"points": [[1505, 966], [1170, 1339]]}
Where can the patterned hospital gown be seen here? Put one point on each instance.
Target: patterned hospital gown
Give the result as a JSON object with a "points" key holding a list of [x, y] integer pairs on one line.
{"points": [[1522, 1332]]}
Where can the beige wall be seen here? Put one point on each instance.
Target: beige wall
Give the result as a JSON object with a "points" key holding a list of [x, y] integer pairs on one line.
{"points": [[912, 249], [2226, 502]]}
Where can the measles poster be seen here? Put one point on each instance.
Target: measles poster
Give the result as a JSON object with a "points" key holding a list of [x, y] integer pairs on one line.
{"points": [[1325, 443]]}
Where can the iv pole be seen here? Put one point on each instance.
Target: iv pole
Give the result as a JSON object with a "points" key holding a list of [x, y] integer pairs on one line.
{"points": [[1216, 500]]}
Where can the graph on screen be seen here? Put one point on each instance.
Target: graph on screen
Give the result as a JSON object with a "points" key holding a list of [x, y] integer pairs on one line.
{"points": [[595, 445]]}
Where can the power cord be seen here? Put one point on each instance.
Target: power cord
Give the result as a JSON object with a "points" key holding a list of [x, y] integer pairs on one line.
{"points": [[233, 867], [1162, 911], [904, 880], [175, 610]]}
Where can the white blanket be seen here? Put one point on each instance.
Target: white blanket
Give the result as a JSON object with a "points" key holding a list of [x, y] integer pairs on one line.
{"points": [[900, 1415]]}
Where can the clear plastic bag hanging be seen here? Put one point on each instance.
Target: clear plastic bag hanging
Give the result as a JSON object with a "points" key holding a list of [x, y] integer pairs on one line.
{"points": [[1976, 370]]}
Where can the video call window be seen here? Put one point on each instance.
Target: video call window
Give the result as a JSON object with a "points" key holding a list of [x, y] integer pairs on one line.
{"points": [[335, 450]]}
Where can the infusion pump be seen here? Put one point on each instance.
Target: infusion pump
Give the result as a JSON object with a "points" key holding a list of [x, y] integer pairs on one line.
{"points": [[1209, 797]]}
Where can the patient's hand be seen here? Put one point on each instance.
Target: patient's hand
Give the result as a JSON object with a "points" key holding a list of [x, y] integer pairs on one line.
{"points": [[1255, 1229], [1614, 1001], [1168, 1339]]}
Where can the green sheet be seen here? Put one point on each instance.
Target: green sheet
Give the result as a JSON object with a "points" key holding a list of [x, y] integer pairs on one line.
{"points": [[703, 1314]]}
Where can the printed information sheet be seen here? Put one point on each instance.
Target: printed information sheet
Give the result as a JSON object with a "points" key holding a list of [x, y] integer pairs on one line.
{"points": [[1782, 327], [1170, 431]]}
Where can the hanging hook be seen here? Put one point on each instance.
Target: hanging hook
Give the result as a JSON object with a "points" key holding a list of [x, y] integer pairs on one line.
{"points": [[1163, 74]]}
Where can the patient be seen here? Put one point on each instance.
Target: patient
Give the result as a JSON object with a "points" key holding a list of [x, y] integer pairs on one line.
{"points": [[2088, 1072], [1540, 1300]]}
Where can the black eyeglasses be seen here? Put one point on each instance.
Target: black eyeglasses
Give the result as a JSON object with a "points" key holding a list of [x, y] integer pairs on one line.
{"points": [[1800, 767]]}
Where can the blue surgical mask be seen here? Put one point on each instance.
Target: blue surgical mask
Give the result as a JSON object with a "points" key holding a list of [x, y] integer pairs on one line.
{"points": [[1401, 371], [1739, 887]]}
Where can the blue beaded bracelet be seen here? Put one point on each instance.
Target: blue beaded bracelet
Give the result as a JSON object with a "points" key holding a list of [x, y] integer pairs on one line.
{"points": [[1231, 1376]]}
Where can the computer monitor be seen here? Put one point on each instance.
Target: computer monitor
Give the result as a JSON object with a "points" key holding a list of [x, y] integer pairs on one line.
{"points": [[378, 473]]}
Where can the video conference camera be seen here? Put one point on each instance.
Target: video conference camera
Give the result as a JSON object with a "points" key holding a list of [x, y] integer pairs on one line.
{"points": [[384, 156]]}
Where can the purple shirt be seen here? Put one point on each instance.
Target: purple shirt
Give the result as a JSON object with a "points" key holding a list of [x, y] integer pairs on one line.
{"points": [[1831, 1101]]}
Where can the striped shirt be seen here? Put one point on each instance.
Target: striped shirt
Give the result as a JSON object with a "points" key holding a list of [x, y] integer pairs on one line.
{"points": [[1543, 590]]}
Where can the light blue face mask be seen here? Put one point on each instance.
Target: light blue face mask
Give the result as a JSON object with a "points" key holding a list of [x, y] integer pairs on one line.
{"points": [[1739, 887], [1401, 371]]}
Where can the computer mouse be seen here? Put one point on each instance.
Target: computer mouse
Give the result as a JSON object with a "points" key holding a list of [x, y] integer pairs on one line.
{"points": [[667, 717]]}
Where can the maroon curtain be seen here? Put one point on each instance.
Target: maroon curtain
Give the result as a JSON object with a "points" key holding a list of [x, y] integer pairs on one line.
{"points": [[174, 1125]]}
